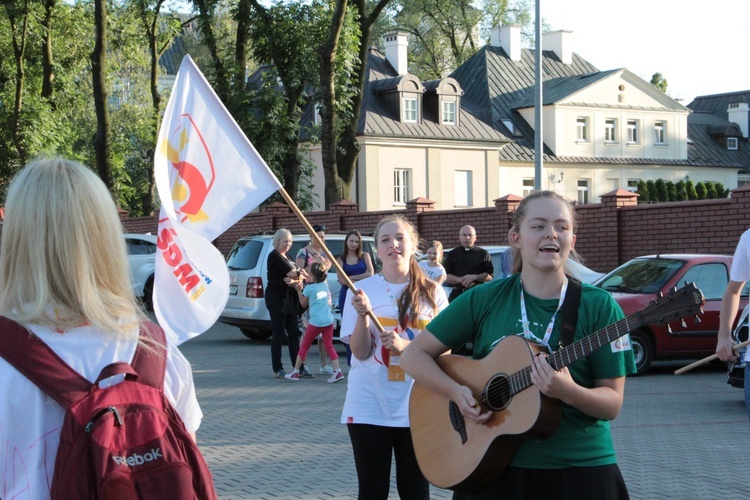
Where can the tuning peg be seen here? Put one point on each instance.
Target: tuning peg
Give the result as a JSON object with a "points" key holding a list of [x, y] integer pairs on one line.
{"points": [[684, 325], [659, 295], [697, 320], [669, 328]]}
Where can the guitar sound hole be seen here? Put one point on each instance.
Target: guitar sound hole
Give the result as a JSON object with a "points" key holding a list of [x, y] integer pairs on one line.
{"points": [[497, 392]]}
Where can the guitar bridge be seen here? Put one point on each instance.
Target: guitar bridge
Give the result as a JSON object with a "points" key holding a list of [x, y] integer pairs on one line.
{"points": [[457, 421]]}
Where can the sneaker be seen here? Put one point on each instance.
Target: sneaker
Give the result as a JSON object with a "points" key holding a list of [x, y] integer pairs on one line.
{"points": [[305, 373], [280, 374], [326, 369], [336, 377], [292, 376]]}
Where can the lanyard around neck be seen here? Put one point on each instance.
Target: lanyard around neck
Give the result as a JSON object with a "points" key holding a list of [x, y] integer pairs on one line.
{"points": [[391, 295], [525, 319]]}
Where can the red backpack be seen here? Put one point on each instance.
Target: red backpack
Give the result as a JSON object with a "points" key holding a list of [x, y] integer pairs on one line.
{"points": [[121, 442]]}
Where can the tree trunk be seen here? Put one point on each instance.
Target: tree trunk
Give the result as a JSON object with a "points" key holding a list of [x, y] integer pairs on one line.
{"points": [[99, 75], [19, 53], [221, 84], [48, 76], [348, 148], [327, 112]]}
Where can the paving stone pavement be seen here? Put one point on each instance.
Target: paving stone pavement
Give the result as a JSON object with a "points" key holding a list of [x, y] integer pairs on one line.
{"points": [[677, 437]]}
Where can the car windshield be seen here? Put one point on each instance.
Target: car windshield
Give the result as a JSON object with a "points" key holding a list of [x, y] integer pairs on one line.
{"points": [[641, 276]]}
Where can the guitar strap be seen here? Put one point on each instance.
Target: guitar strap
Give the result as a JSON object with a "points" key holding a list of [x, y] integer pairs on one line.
{"points": [[570, 312]]}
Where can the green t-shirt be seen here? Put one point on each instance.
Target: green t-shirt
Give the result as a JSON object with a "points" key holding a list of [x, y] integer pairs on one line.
{"points": [[486, 314]]}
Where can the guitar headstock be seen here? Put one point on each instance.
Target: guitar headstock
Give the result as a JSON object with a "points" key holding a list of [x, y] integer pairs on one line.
{"points": [[677, 304]]}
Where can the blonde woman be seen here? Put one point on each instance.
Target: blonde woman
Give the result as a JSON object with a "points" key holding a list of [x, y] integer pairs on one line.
{"points": [[65, 277], [376, 409]]}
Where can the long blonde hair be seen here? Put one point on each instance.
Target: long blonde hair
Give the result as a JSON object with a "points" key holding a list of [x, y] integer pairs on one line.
{"points": [[63, 260], [420, 287]]}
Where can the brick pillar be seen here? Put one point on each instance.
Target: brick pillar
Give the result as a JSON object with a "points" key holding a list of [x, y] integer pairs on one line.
{"points": [[506, 207], [274, 210], [415, 208], [339, 211], [608, 224]]}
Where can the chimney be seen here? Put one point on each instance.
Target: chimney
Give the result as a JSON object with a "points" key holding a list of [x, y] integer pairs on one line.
{"points": [[509, 39], [395, 51], [738, 113], [561, 43]]}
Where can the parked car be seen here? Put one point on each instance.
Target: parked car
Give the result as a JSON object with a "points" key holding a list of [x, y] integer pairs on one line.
{"points": [[142, 261], [246, 307], [736, 371], [640, 280]]}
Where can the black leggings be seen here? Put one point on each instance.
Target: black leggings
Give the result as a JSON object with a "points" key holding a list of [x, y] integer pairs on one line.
{"points": [[575, 483], [373, 447]]}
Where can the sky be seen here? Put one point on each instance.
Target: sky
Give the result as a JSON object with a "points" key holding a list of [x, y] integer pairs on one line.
{"points": [[699, 47]]}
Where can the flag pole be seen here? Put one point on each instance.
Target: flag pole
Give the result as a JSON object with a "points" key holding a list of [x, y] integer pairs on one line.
{"points": [[339, 271], [705, 360]]}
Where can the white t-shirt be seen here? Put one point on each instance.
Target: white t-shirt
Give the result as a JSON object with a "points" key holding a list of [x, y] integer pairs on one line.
{"points": [[432, 272], [740, 271], [30, 421], [370, 397]]}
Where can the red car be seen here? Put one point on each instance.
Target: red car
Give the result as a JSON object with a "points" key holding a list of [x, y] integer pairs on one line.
{"points": [[638, 281]]}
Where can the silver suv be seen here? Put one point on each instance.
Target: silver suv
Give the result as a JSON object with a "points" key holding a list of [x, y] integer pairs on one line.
{"points": [[246, 307]]}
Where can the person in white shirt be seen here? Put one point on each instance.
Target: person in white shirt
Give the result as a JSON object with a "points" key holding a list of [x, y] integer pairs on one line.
{"points": [[65, 276], [432, 266], [738, 275], [376, 409]]}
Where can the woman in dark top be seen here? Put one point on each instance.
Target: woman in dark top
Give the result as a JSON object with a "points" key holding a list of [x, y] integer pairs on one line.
{"points": [[282, 273]]}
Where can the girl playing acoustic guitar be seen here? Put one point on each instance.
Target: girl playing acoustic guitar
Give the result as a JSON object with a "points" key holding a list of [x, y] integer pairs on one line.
{"points": [[578, 460]]}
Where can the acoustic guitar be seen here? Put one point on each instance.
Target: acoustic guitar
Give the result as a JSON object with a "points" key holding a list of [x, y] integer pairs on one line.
{"points": [[457, 454]]}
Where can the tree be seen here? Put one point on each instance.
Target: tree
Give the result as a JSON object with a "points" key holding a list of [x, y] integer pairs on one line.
{"points": [[443, 34], [658, 81], [160, 30], [643, 191], [339, 176], [285, 37], [99, 74]]}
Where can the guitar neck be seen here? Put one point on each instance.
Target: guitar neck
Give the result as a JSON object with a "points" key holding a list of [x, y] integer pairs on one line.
{"points": [[569, 354]]}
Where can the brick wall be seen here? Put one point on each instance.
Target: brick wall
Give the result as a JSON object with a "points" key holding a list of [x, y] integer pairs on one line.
{"points": [[609, 233]]}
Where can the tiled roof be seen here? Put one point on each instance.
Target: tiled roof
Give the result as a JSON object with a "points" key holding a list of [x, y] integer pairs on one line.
{"points": [[557, 89], [710, 119], [496, 84], [378, 119]]}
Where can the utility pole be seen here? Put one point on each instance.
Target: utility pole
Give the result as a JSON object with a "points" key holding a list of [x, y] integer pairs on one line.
{"points": [[538, 136]]}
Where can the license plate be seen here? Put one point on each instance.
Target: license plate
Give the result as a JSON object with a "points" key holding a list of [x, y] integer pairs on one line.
{"points": [[232, 289]]}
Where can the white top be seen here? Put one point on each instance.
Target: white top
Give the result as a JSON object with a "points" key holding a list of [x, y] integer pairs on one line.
{"points": [[30, 421], [740, 271], [432, 272], [370, 397]]}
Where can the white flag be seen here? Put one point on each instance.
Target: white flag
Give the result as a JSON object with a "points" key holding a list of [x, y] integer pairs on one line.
{"points": [[208, 176]]}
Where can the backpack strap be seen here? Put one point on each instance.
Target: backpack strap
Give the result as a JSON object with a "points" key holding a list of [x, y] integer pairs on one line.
{"points": [[570, 312], [41, 365], [150, 361]]}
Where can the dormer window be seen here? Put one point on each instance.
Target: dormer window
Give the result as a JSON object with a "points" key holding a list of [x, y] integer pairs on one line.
{"points": [[317, 120], [442, 101], [733, 144], [409, 113], [509, 125], [449, 112]]}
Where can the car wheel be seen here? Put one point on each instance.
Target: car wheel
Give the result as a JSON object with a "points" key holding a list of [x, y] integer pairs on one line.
{"points": [[255, 334], [148, 293], [643, 351]]}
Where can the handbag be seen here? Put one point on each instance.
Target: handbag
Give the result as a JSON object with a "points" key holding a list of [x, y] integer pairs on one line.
{"points": [[291, 305]]}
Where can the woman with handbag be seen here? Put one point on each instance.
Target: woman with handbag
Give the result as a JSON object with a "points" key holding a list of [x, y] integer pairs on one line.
{"points": [[283, 273]]}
